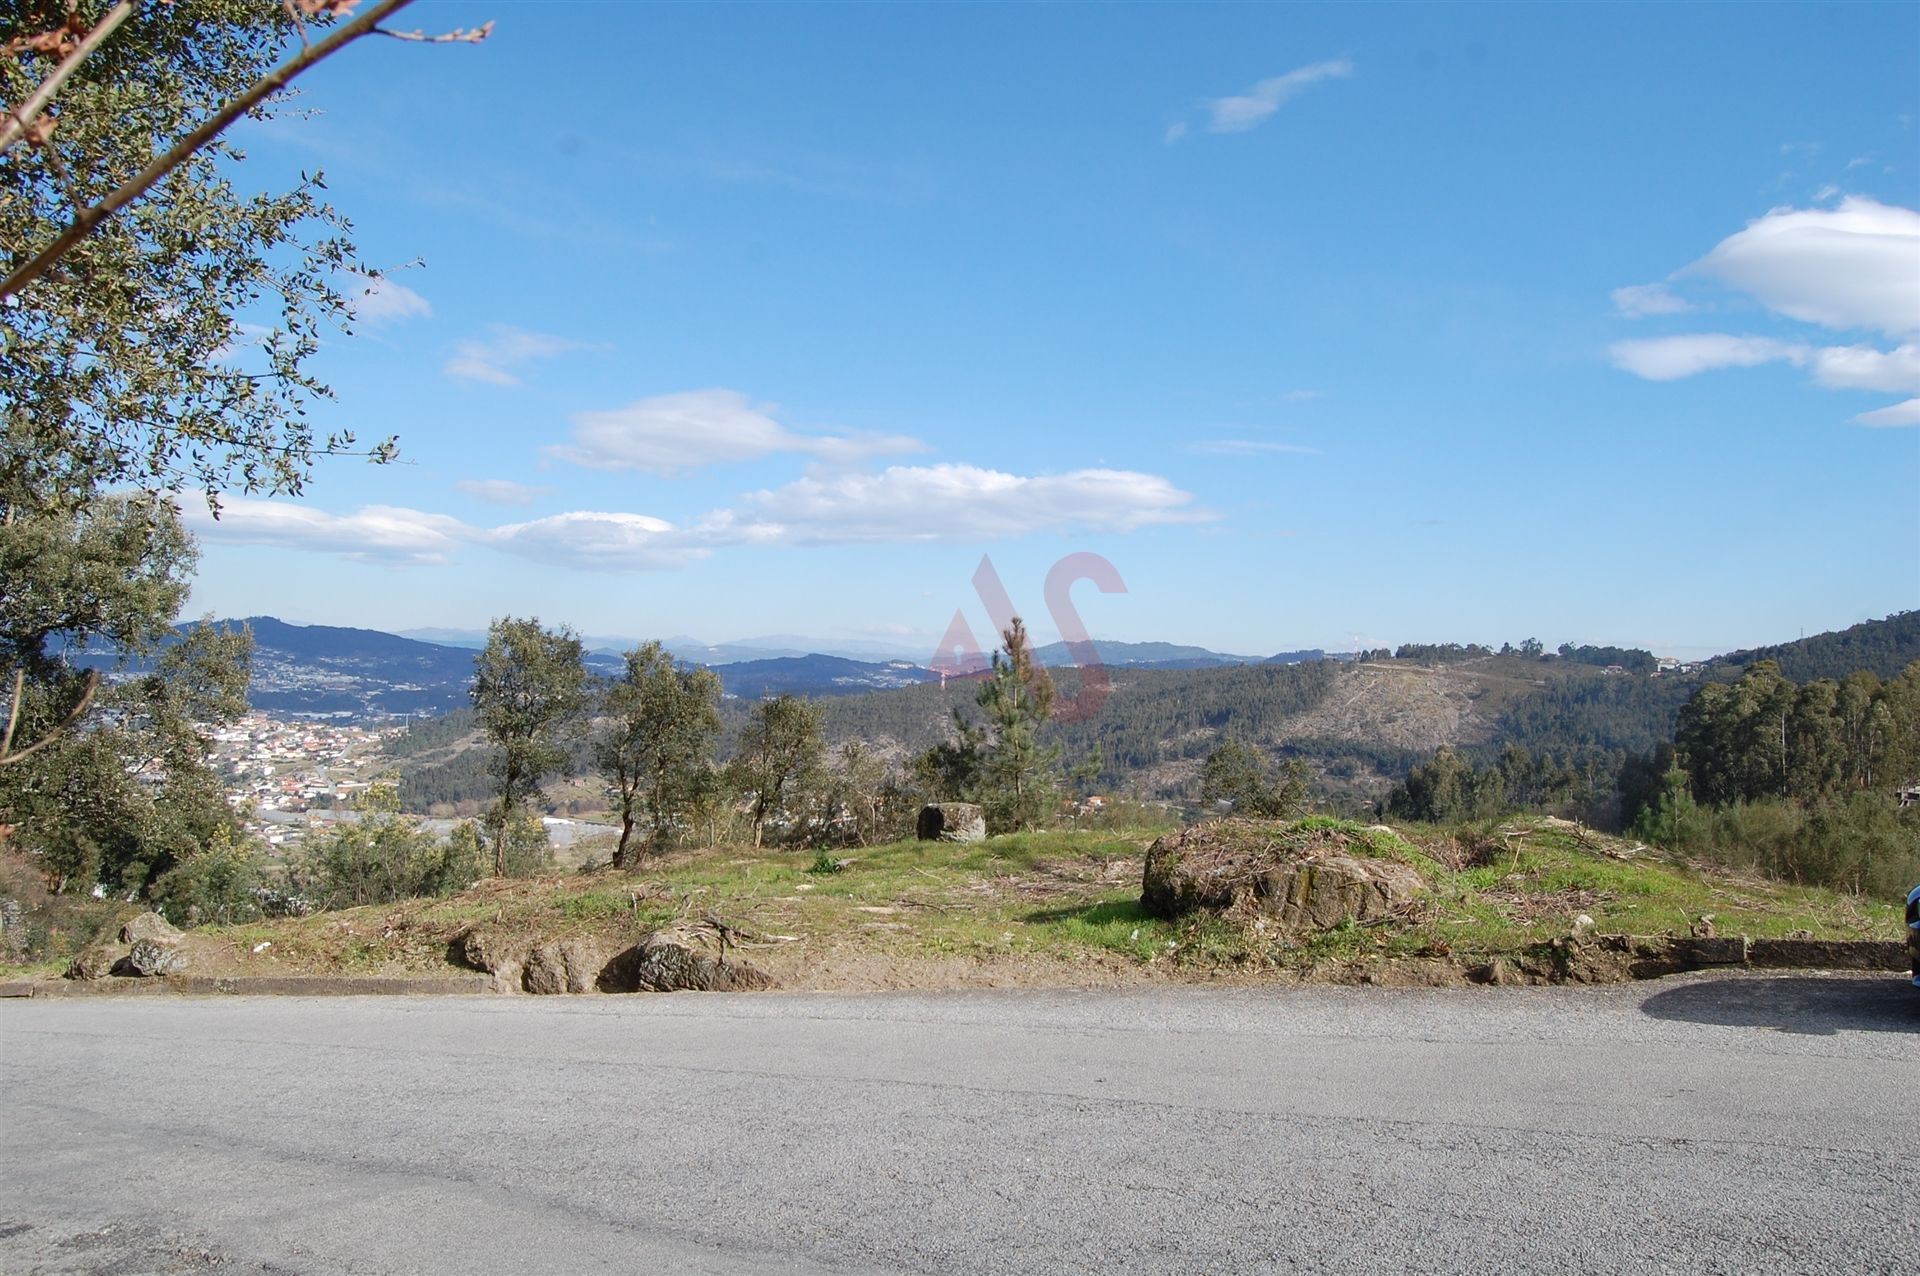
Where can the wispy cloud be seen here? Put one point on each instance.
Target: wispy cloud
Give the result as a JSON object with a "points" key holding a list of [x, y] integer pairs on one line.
{"points": [[669, 433], [1242, 111], [1907, 413], [502, 491], [495, 359], [1637, 301], [1857, 367], [383, 299], [902, 504], [1671, 358], [591, 540], [952, 502], [373, 533]]}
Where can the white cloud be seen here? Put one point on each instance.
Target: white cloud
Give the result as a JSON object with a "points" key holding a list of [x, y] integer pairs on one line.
{"points": [[596, 541], [502, 491], [1175, 132], [899, 505], [951, 502], [373, 533], [1640, 300], [1248, 447], [1862, 367], [494, 359], [1671, 358], [1907, 413], [671, 432], [1242, 111], [383, 299], [1894, 371], [1853, 267]]}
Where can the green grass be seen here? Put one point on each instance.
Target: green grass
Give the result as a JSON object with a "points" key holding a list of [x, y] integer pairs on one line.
{"points": [[1061, 899]]}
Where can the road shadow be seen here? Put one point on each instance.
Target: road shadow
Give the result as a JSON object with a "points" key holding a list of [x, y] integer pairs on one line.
{"points": [[1816, 1005]]}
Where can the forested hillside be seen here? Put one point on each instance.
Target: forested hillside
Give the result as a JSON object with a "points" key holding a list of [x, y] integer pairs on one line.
{"points": [[1362, 724], [1881, 647]]}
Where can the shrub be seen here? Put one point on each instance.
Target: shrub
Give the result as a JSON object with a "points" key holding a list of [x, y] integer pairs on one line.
{"points": [[1863, 842], [216, 884]]}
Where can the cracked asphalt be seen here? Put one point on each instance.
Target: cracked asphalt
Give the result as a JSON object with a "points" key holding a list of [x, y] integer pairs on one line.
{"points": [[1699, 1124]]}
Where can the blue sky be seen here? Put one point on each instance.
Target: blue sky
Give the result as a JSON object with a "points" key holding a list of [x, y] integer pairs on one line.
{"points": [[1325, 326]]}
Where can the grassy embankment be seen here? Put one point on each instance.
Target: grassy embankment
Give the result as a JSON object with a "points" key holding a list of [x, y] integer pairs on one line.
{"points": [[1058, 908]]}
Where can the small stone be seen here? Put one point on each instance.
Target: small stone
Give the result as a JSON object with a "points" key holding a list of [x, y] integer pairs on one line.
{"points": [[951, 822]]}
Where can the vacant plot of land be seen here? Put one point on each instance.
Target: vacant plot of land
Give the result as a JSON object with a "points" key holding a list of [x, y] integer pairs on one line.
{"points": [[1058, 909]]}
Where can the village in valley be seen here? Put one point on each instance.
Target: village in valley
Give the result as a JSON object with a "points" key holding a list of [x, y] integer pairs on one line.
{"points": [[287, 778]]}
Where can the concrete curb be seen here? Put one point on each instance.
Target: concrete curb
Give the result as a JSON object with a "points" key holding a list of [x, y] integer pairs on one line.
{"points": [[1661, 955], [1791, 954], [253, 986]]}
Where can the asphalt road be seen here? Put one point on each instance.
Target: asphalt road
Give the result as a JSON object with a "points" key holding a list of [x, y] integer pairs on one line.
{"points": [[1704, 1124]]}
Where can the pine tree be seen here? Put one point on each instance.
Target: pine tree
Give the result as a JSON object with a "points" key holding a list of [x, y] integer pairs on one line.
{"points": [[1019, 777]]}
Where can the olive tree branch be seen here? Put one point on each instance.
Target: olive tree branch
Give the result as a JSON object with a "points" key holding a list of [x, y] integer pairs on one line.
{"points": [[7, 752], [87, 219], [20, 119]]}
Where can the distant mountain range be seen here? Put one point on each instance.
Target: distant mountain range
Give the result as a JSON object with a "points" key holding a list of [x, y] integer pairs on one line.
{"points": [[366, 675], [693, 650], [1165, 655]]}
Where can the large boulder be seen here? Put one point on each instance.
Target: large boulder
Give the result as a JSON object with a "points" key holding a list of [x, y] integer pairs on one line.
{"points": [[151, 960], [568, 965], [952, 822], [676, 963], [149, 926], [1298, 878], [95, 962], [499, 953]]}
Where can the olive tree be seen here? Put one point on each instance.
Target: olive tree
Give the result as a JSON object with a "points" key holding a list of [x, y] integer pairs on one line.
{"points": [[780, 756], [652, 744], [529, 688], [156, 335]]}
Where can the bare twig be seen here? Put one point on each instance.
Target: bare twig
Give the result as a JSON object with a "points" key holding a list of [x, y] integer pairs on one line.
{"points": [[20, 119], [299, 20], [911, 902]]}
